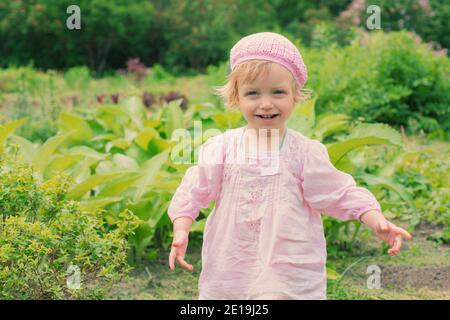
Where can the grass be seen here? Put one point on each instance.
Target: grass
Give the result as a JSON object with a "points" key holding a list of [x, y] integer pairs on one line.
{"points": [[421, 258], [155, 281], [420, 271]]}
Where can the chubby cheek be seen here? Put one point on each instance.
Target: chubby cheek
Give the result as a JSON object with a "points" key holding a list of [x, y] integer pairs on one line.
{"points": [[248, 109], [249, 116], [286, 113]]}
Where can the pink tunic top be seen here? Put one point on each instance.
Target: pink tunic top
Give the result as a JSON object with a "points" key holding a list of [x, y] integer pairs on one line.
{"points": [[264, 238]]}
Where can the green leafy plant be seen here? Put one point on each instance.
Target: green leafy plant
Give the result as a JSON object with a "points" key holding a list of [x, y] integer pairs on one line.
{"points": [[351, 138], [391, 78], [42, 235]]}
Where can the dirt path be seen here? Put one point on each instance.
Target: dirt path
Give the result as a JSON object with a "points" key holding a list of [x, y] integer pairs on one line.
{"points": [[420, 271]]}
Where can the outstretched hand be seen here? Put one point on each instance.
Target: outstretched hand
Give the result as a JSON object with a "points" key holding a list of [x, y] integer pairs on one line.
{"points": [[178, 250], [386, 230], [392, 235]]}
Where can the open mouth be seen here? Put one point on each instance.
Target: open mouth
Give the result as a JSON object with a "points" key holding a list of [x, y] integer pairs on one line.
{"points": [[267, 116]]}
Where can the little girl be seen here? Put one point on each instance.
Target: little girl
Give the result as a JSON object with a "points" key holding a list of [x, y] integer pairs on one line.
{"points": [[265, 238]]}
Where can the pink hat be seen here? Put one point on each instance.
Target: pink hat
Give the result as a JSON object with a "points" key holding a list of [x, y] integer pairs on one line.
{"points": [[273, 47]]}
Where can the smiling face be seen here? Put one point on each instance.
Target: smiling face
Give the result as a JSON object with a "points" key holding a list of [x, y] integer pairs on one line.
{"points": [[268, 100]]}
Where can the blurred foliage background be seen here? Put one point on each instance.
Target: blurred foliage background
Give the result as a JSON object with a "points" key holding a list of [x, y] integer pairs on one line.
{"points": [[87, 120], [191, 35]]}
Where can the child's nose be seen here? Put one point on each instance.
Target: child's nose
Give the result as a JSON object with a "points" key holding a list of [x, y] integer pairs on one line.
{"points": [[267, 104]]}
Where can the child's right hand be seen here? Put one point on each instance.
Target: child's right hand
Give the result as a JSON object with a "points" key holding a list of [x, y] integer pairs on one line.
{"points": [[178, 250]]}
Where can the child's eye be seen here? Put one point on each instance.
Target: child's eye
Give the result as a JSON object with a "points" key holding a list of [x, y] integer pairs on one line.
{"points": [[279, 92], [250, 93]]}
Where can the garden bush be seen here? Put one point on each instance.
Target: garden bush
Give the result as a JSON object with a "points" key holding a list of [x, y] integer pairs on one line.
{"points": [[111, 31], [429, 19], [43, 236], [391, 78]]}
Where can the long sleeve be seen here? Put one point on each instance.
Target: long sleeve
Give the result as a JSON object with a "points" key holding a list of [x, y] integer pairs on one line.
{"points": [[201, 183], [331, 191]]}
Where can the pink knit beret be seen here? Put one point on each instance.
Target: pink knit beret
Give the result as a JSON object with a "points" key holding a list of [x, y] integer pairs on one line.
{"points": [[273, 47]]}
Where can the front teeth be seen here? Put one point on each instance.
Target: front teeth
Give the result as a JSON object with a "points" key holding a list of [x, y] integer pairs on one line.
{"points": [[267, 117]]}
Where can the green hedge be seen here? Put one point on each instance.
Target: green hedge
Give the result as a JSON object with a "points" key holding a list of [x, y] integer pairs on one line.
{"points": [[42, 235], [111, 31], [187, 35], [391, 78]]}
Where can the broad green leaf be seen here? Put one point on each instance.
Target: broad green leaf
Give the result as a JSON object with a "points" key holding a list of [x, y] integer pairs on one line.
{"points": [[144, 137], [118, 186], [112, 117], [120, 143], [389, 168], [372, 180], [43, 154], [364, 134], [167, 184], [114, 110], [142, 237], [61, 162], [68, 122], [182, 151], [339, 149], [119, 162], [153, 212], [157, 146], [180, 167], [158, 214], [135, 111], [137, 153], [151, 208], [151, 123], [130, 134], [142, 209], [93, 181], [98, 203], [105, 166], [205, 110], [174, 117], [82, 170], [124, 162], [149, 171], [106, 136], [328, 124], [8, 128], [387, 183], [209, 123], [229, 119], [87, 152], [379, 130], [346, 165], [27, 147]]}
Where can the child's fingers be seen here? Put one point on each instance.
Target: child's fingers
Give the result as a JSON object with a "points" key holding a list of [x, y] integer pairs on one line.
{"points": [[402, 231], [184, 264], [397, 245], [173, 254], [405, 233]]}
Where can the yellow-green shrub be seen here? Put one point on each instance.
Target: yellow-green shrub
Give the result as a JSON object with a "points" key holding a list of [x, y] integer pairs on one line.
{"points": [[42, 235]]}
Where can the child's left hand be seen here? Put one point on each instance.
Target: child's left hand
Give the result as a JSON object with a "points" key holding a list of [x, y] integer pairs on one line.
{"points": [[386, 231]]}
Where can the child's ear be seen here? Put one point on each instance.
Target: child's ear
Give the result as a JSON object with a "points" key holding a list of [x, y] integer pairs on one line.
{"points": [[297, 97]]}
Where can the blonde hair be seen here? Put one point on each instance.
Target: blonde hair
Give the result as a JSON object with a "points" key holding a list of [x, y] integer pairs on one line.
{"points": [[248, 71]]}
